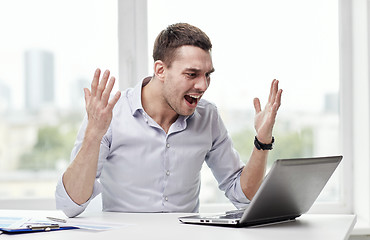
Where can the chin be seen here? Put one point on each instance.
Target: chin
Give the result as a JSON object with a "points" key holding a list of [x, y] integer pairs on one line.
{"points": [[186, 113]]}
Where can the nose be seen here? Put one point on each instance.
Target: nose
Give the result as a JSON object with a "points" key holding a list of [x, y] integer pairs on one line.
{"points": [[202, 83]]}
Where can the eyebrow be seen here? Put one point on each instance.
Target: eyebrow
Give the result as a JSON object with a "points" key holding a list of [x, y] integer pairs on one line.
{"points": [[198, 70]]}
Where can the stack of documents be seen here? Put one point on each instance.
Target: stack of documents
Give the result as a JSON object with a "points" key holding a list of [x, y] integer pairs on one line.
{"points": [[14, 225]]}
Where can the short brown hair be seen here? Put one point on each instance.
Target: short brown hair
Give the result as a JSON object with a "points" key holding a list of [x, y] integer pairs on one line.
{"points": [[175, 36]]}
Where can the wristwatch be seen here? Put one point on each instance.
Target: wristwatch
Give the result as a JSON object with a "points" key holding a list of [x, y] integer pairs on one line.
{"points": [[262, 146]]}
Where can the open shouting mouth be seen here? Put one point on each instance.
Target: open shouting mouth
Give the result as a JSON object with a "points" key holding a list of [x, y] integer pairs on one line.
{"points": [[192, 100]]}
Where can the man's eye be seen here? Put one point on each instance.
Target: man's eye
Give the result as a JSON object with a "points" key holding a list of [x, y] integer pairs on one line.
{"points": [[191, 75]]}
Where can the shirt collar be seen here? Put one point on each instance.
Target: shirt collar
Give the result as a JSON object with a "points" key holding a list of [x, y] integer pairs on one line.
{"points": [[134, 96]]}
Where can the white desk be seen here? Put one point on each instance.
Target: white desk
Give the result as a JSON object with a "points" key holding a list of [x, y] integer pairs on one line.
{"points": [[166, 226]]}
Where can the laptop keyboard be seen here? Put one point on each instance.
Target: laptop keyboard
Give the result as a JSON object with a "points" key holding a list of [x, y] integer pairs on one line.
{"points": [[232, 215]]}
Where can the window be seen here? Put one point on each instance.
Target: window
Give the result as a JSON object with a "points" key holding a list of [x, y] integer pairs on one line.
{"points": [[49, 51], [254, 42]]}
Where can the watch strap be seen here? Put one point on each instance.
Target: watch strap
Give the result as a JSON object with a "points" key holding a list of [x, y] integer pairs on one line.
{"points": [[262, 146]]}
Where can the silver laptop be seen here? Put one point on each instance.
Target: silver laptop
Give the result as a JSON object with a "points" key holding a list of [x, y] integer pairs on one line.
{"points": [[289, 190]]}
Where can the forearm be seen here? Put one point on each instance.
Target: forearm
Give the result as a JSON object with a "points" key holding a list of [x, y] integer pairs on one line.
{"points": [[79, 178], [254, 172]]}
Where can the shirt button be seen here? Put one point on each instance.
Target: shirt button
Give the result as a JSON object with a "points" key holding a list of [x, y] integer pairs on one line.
{"points": [[168, 173], [166, 198], [168, 145]]}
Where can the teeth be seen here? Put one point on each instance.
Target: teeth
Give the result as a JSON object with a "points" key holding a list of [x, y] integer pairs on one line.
{"points": [[193, 96]]}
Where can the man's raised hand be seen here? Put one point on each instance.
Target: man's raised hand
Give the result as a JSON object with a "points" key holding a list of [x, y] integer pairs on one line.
{"points": [[265, 119], [98, 106]]}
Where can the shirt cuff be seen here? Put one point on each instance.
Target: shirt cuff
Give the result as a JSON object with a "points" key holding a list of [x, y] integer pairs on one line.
{"points": [[66, 204]]}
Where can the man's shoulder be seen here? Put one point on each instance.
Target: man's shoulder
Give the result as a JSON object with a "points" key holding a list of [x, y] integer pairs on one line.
{"points": [[128, 95], [207, 116], [123, 103], [206, 104], [206, 107]]}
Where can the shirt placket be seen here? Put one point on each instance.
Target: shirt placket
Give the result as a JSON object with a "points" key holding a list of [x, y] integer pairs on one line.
{"points": [[165, 160], [167, 171], [169, 159]]}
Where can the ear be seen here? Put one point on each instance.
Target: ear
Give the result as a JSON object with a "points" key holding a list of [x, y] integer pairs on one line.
{"points": [[159, 70]]}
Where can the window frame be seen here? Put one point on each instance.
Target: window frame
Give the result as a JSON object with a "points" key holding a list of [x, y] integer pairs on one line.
{"points": [[355, 37]]}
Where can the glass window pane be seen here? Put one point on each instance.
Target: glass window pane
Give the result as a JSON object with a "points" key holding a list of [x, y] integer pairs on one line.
{"points": [[253, 43], [49, 51]]}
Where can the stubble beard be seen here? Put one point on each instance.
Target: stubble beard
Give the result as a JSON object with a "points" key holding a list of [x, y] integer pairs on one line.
{"points": [[173, 105]]}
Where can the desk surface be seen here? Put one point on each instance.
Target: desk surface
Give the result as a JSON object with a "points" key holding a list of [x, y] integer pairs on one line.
{"points": [[166, 226]]}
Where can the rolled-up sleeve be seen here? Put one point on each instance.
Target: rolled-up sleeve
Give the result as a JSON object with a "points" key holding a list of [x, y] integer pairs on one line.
{"points": [[237, 196], [67, 205], [225, 164]]}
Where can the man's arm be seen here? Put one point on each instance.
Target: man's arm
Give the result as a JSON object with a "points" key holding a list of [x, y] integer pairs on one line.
{"points": [[79, 177], [254, 172]]}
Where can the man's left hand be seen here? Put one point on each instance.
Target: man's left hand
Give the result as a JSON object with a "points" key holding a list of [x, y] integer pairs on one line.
{"points": [[265, 119]]}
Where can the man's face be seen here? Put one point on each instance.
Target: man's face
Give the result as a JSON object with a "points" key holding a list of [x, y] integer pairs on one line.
{"points": [[187, 79]]}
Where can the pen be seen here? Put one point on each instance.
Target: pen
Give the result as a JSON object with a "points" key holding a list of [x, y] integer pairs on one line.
{"points": [[57, 219]]}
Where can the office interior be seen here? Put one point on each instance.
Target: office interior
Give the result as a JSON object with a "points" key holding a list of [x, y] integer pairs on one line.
{"points": [[319, 50]]}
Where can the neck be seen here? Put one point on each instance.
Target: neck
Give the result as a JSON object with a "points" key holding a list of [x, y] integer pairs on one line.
{"points": [[155, 106]]}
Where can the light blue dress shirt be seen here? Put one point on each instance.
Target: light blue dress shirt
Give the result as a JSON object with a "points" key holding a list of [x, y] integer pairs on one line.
{"points": [[142, 168]]}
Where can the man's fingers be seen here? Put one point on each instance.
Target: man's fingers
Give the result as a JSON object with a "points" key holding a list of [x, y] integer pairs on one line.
{"points": [[271, 87], [273, 91], [95, 82], [101, 90], [257, 105], [276, 105], [278, 98], [114, 100], [277, 102], [102, 84], [108, 90], [87, 96]]}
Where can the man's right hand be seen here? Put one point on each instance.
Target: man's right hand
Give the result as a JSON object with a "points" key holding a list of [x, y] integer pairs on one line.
{"points": [[79, 177], [98, 107]]}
